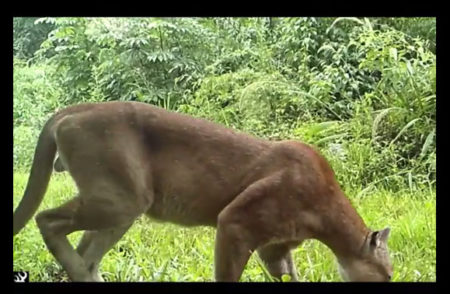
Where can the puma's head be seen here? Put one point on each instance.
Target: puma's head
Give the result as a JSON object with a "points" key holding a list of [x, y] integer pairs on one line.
{"points": [[372, 264]]}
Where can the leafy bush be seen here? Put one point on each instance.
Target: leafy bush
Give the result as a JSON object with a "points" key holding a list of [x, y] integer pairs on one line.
{"points": [[28, 36], [35, 97], [146, 60], [25, 139]]}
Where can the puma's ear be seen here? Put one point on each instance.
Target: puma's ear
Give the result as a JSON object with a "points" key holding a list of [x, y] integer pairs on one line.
{"points": [[384, 234], [378, 237]]}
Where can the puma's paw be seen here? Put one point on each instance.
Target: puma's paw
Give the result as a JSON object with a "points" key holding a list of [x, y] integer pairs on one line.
{"points": [[97, 277]]}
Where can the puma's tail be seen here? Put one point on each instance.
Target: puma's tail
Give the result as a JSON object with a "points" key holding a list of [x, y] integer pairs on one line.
{"points": [[41, 171]]}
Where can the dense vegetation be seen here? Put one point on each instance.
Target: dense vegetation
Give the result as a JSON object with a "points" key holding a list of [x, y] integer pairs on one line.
{"points": [[362, 90]]}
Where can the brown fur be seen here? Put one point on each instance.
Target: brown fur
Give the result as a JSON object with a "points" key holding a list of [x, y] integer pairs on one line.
{"points": [[129, 159]]}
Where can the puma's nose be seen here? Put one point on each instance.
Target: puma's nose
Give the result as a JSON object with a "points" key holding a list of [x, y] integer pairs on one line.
{"points": [[389, 277]]}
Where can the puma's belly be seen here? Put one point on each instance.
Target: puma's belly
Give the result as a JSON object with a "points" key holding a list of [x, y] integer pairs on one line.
{"points": [[185, 209], [187, 193]]}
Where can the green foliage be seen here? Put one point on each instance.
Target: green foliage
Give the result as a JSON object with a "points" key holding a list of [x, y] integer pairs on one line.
{"points": [[146, 60], [28, 36], [416, 27], [35, 94], [25, 139], [35, 97], [408, 88]]}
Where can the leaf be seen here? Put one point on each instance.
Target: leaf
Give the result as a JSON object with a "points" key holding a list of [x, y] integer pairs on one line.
{"points": [[60, 48], [50, 20], [151, 57], [286, 278], [427, 144], [393, 53], [409, 67], [339, 19], [404, 129], [326, 47], [368, 24], [329, 138], [378, 119]]}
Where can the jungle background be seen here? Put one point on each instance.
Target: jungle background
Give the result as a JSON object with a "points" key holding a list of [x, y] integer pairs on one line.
{"points": [[362, 90]]}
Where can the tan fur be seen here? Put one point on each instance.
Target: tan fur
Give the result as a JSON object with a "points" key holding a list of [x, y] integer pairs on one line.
{"points": [[129, 159]]}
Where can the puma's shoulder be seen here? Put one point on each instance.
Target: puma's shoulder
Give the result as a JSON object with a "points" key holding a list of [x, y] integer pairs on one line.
{"points": [[307, 167]]}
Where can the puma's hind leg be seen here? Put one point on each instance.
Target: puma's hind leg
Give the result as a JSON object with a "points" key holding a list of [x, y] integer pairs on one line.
{"points": [[78, 214]]}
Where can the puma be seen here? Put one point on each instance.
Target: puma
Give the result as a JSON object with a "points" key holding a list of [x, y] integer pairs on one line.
{"points": [[130, 158]]}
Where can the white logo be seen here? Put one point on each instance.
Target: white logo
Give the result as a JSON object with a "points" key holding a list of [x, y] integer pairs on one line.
{"points": [[20, 277]]}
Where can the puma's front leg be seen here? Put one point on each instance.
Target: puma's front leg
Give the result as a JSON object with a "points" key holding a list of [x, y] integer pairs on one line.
{"points": [[278, 260], [231, 253], [247, 223]]}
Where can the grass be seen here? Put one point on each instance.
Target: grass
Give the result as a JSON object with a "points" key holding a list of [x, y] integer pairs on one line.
{"points": [[152, 251]]}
